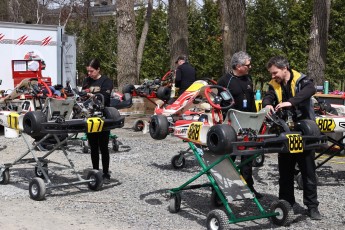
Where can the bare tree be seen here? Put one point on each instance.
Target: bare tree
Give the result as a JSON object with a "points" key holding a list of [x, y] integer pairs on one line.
{"points": [[126, 43], [144, 35], [14, 11], [234, 28], [318, 40], [178, 29]]}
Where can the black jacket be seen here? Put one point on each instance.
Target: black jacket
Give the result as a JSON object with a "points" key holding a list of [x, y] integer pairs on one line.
{"points": [[185, 76], [102, 85]]}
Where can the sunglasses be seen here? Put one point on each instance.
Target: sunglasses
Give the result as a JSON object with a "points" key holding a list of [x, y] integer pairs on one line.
{"points": [[248, 65]]}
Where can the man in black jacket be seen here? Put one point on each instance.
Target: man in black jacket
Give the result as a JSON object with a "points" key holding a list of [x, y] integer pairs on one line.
{"points": [[289, 88], [240, 85], [185, 74]]}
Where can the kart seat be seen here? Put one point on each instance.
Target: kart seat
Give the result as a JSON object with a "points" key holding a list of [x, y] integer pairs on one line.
{"points": [[59, 108], [242, 120]]}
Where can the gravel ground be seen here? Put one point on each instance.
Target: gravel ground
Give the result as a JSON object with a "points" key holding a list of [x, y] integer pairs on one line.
{"points": [[137, 198]]}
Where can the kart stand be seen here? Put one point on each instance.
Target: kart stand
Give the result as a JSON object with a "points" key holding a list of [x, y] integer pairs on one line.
{"points": [[227, 186], [38, 186]]}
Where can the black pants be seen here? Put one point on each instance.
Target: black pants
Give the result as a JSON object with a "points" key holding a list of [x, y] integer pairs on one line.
{"points": [[99, 141], [306, 163], [246, 170]]}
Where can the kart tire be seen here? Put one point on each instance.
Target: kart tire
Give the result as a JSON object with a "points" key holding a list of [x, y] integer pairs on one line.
{"points": [[159, 127], [220, 138], [163, 93], [111, 113], [32, 122], [128, 89], [307, 127]]}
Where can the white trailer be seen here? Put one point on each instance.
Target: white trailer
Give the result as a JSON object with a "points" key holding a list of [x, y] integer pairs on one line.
{"points": [[46, 42]]}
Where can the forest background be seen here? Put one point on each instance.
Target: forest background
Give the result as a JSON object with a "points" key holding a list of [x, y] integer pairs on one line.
{"points": [[263, 28]]}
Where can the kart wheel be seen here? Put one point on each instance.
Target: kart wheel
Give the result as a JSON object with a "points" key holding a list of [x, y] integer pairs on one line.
{"points": [[163, 93], [217, 220], [175, 203], [138, 125], [178, 161], [128, 89], [258, 161], [285, 213], [32, 122], [116, 145], [97, 178], [159, 127], [308, 127], [37, 189], [111, 113], [215, 200], [5, 176], [39, 173], [299, 181], [220, 138]]}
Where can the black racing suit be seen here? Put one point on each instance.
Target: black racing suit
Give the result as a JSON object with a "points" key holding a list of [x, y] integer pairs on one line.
{"points": [[241, 88], [100, 140], [298, 91], [185, 76]]}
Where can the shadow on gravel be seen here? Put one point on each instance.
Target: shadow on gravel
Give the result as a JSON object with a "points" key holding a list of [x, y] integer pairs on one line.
{"points": [[191, 166], [3, 147]]}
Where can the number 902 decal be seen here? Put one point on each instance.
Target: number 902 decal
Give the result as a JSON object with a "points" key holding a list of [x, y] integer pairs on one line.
{"points": [[94, 125], [194, 130], [295, 142]]}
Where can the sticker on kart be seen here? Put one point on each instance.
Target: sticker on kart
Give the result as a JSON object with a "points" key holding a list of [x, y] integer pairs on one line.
{"points": [[325, 124], [94, 124], [194, 130], [13, 121], [295, 143]]}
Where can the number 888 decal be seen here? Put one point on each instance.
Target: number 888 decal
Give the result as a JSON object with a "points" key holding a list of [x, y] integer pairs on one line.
{"points": [[194, 130], [295, 143]]}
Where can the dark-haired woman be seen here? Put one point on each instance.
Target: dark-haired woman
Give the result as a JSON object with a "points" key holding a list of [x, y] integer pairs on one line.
{"points": [[97, 83]]}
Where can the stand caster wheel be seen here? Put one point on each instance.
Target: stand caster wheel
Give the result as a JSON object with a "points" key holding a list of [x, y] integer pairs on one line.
{"points": [[175, 203]]}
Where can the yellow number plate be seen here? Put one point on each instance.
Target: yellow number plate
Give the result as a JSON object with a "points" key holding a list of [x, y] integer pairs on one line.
{"points": [[13, 121], [295, 143], [194, 130], [325, 124], [94, 124]]}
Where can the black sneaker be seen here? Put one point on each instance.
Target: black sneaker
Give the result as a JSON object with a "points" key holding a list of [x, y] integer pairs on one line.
{"points": [[106, 178], [314, 214]]}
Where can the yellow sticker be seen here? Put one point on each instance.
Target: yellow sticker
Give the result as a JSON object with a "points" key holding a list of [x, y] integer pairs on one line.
{"points": [[295, 142], [258, 104], [193, 132], [325, 124], [94, 124], [195, 86], [13, 121]]}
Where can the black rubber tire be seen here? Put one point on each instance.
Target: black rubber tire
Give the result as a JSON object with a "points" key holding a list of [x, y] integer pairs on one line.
{"points": [[116, 145], [97, 178], [308, 127], [159, 127], [220, 138], [178, 161], [37, 189], [215, 200], [175, 203], [32, 122], [285, 211], [5, 177], [259, 160], [38, 172], [128, 89], [217, 220], [111, 113], [164, 93], [138, 125]]}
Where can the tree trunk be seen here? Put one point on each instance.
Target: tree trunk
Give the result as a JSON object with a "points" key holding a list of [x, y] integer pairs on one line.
{"points": [[143, 36], [178, 29], [234, 28], [126, 43], [318, 40]]}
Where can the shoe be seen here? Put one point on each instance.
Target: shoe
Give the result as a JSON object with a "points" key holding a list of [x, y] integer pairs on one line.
{"points": [[314, 214], [297, 209], [106, 179]]}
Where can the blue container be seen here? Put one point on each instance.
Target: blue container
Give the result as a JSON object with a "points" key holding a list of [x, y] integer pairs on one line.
{"points": [[325, 87], [258, 95]]}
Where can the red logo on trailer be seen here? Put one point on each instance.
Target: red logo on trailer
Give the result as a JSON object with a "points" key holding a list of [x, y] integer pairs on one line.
{"points": [[22, 39]]}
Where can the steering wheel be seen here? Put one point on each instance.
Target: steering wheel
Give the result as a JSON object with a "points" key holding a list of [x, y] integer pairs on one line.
{"points": [[215, 99]]}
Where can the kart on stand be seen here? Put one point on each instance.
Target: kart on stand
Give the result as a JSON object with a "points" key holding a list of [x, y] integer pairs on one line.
{"points": [[214, 139]]}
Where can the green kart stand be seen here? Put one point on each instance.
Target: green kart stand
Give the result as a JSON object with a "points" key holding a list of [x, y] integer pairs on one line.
{"points": [[227, 186], [112, 137]]}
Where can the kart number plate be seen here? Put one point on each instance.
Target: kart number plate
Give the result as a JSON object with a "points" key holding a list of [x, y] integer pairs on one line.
{"points": [[13, 121], [295, 142], [325, 124], [194, 130], [94, 125]]}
